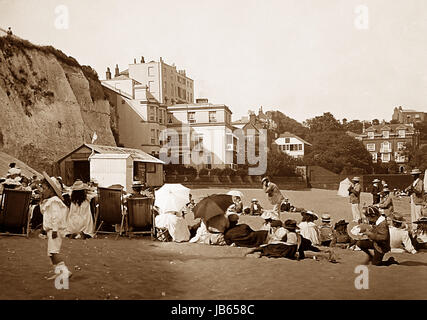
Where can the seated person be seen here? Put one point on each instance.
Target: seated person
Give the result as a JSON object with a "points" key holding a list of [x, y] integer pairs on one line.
{"points": [[176, 226], [399, 237], [212, 231], [308, 228], [269, 216], [189, 206], [340, 236], [325, 230], [286, 205], [255, 208], [419, 238], [378, 235], [242, 235]]}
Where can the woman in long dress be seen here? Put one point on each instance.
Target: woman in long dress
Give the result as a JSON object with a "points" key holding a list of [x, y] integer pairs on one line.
{"points": [[80, 221], [308, 228], [177, 226]]}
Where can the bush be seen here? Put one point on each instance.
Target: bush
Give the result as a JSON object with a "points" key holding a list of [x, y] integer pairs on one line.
{"points": [[227, 172], [203, 172], [216, 172], [242, 172], [191, 171]]}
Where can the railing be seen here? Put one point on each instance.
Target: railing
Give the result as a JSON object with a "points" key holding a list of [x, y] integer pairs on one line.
{"points": [[109, 86]]}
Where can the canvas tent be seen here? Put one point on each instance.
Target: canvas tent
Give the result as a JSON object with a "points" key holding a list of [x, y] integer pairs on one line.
{"points": [[343, 188]]}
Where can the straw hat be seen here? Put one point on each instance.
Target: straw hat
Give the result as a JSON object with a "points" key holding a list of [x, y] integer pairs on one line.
{"points": [[54, 184], [386, 190], [421, 220], [397, 217], [14, 170], [79, 185], [265, 179], [356, 179], [416, 171], [376, 181], [267, 214], [136, 184], [326, 217], [254, 200]]}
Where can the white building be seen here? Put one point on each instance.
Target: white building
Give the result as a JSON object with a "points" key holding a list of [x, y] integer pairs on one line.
{"points": [[203, 133], [292, 145]]}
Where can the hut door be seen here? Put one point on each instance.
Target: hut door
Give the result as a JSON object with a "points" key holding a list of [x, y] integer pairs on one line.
{"points": [[139, 171], [69, 177], [82, 170]]}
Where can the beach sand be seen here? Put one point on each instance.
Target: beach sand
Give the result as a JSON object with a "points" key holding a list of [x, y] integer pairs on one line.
{"points": [[138, 268]]}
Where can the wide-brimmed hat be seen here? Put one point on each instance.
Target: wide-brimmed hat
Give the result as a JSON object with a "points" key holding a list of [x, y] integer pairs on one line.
{"points": [[233, 217], [356, 179], [421, 220], [376, 181], [254, 200], [311, 213], [341, 223], [386, 190], [79, 185], [416, 171], [371, 211], [326, 217], [14, 170], [397, 217], [268, 214], [13, 182], [290, 224], [56, 186]]}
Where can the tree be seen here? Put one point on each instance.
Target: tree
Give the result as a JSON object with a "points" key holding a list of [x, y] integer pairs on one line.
{"points": [[326, 122], [338, 152], [375, 122], [417, 157], [280, 164], [286, 124], [355, 126]]}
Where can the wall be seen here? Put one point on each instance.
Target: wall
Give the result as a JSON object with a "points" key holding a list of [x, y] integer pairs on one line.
{"points": [[110, 171]]}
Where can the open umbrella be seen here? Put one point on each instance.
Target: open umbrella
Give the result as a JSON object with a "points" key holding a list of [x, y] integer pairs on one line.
{"points": [[235, 193], [171, 197], [212, 206]]}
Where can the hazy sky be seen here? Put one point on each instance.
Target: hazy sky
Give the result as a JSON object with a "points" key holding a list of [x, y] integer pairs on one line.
{"points": [[302, 57]]}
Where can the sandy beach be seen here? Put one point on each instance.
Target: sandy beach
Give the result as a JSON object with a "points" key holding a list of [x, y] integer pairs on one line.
{"points": [[138, 268]]}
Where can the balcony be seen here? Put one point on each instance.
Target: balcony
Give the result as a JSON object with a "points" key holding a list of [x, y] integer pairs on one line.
{"points": [[385, 150]]}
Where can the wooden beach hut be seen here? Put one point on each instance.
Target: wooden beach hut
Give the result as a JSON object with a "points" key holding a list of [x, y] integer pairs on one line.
{"points": [[110, 165]]}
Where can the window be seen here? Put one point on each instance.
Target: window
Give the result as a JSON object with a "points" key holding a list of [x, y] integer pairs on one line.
{"points": [[152, 114], [212, 116], [374, 156], [151, 167], [208, 162], [385, 157], [386, 134], [300, 147], [371, 134], [402, 133], [153, 136], [370, 146], [287, 140], [400, 145], [385, 147], [198, 139], [417, 116], [151, 71], [191, 117], [161, 116]]}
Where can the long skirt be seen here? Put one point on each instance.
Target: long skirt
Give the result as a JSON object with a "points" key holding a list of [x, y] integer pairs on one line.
{"points": [[278, 250], [243, 236]]}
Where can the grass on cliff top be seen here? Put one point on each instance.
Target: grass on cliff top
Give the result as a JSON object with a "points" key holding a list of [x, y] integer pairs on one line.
{"points": [[61, 56]]}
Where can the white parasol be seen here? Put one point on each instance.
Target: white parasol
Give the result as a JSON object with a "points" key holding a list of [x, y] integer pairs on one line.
{"points": [[171, 197]]}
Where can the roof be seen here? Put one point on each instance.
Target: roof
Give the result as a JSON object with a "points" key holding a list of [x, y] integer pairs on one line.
{"points": [[390, 127], [291, 135], [26, 171], [135, 153], [136, 157]]}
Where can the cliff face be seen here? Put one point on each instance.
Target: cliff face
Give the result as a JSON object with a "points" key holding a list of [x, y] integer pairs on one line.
{"points": [[49, 104]]}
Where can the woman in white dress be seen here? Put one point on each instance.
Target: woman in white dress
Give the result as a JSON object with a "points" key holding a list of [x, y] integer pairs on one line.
{"points": [[308, 228], [177, 226], [80, 221]]}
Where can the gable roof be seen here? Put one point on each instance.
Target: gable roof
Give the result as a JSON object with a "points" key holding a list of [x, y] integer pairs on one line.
{"points": [[391, 127], [135, 153], [291, 135]]}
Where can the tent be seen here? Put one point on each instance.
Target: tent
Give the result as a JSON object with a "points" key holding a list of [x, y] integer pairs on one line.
{"points": [[343, 189]]}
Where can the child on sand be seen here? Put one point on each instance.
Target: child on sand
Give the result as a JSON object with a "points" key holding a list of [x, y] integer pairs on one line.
{"points": [[308, 228], [54, 222], [325, 230]]}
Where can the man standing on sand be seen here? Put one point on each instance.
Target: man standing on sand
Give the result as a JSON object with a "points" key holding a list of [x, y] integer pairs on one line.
{"points": [[376, 191], [274, 195], [354, 192], [416, 190]]}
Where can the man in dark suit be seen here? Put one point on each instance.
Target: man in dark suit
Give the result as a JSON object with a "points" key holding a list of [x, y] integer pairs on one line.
{"points": [[378, 239]]}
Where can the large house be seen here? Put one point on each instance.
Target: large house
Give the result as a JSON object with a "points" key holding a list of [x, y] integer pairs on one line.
{"points": [[292, 145], [165, 83], [203, 134], [407, 116], [387, 141]]}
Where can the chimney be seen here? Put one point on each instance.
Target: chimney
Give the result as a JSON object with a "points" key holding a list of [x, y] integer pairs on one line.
{"points": [[108, 74], [134, 60], [116, 71], [142, 59], [252, 117]]}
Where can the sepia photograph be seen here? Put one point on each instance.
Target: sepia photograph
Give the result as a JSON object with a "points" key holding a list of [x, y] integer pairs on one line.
{"points": [[211, 155]]}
